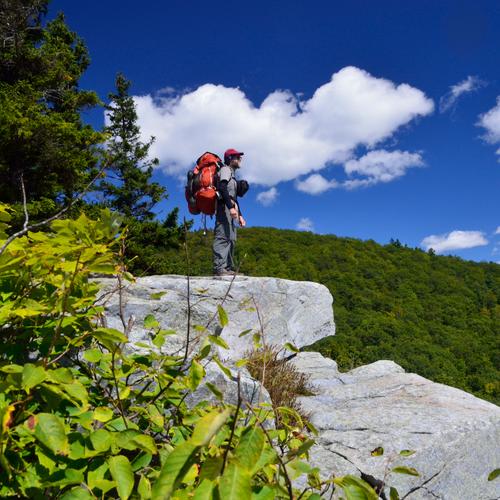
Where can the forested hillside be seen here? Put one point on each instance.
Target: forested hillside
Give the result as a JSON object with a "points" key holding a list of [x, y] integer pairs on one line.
{"points": [[434, 315]]}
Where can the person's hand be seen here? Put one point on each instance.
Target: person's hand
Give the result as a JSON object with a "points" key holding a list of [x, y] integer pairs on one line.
{"points": [[242, 221], [233, 213]]}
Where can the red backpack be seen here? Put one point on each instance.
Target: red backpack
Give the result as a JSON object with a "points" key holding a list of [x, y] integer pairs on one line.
{"points": [[201, 188]]}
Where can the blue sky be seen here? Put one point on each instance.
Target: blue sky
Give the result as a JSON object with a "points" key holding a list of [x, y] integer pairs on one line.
{"points": [[390, 147]]}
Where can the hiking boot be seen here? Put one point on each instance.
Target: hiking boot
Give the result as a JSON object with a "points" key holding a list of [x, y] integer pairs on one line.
{"points": [[225, 272], [234, 273]]}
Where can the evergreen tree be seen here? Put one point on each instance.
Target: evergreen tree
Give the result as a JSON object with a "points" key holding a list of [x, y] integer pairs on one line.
{"points": [[128, 187], [43, 140]]}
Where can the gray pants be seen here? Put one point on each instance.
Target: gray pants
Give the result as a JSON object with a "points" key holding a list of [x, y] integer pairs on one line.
{"points": [[224, 242]]}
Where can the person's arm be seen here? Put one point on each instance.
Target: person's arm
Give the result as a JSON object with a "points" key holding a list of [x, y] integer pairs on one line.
{"points": [[225, 195], [237, 203]]}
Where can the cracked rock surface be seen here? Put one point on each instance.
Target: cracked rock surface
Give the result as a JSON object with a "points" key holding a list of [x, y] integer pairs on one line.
{"points": [[455, 435], [299, 312]]}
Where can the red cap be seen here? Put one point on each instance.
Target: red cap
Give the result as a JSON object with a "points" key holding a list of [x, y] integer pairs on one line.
{"points": [[232, 152]]}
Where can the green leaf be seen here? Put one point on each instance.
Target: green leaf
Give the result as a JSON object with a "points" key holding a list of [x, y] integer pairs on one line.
{"points": [[121, 472], [355, 488], [146, 443], [216, 339], [78, 493], [266, 493], [32, 376], [126, 439], [109, 337], [250, 447], [215, 391], [297, 467], [268, 456], [159, 338], [157, 295], [407, 453], [256, 338], [92, 355], [235, 483], [208, 426], [241, 362], [77, 391], [204, 490], [101, 440], [205, 351], [103, 414], [223, 320], [211, 468], [143, 460], [224, 369], [410, 471], [377, 452], [244, 332], [303, 448], [176, 466], [196, 374], [49, 430], [151, 322], [290, 347], [493, 474], [393, 494], [144, 488], [12, 369], [95, 476]]}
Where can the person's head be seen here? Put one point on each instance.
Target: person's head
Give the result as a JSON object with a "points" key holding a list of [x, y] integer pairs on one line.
{"points": [[232, 158]]}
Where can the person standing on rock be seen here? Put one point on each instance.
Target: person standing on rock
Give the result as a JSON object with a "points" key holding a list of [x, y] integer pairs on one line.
{"points": [[228, 213]]}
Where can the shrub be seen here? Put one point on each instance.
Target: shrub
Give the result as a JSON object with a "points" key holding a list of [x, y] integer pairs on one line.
{"points": [[81, 418], [283, 381]]}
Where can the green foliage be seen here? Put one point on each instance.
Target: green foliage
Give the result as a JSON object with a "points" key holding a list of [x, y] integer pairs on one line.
{"points": [[128, 188], [42, 137], [83, 416], [434, 315]]}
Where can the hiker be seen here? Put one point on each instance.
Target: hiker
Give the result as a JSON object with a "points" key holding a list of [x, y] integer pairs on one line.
{"points": [[228, 213]]}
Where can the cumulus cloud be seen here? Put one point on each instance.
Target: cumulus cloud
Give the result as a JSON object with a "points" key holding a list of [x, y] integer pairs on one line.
{"points": [[456, 240], [267, 198], [449, 100], [285, 137], [491, 122], [315, 184], [372, 168], [383, 166], [305, 224]]}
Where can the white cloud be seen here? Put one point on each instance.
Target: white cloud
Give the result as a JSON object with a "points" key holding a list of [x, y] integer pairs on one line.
{"points": [[315, 184], [491, 122], [267, 198], [285, 137], [374, 167], [470, 84], [497, 230], [456, 240], [382, 166], [305, 224]]}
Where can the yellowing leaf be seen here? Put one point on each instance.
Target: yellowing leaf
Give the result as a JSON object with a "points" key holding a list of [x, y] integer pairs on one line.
{"points": [[405, 470], [103, 414]]}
